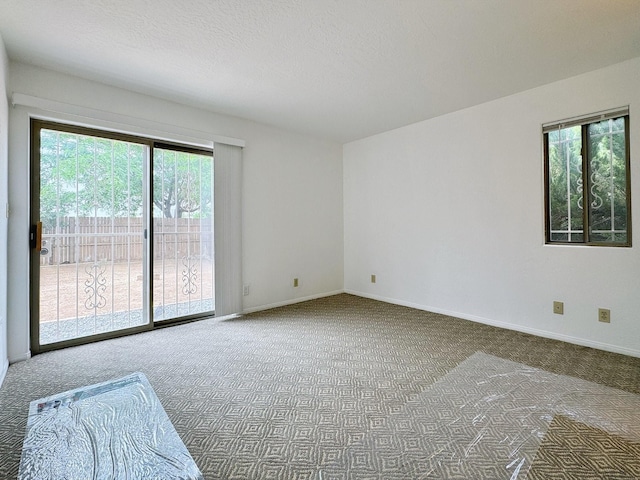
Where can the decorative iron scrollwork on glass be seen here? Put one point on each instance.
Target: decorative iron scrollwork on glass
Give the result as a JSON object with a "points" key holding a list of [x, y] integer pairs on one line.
{"points": [[580, 188], [189, 274], [597, 183], [95, 286]]}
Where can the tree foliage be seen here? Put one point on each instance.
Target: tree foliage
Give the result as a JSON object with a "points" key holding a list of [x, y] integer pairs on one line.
{"points": [[608, 168], [565, 179], [84, 176], [606, 191], [182, 184]]}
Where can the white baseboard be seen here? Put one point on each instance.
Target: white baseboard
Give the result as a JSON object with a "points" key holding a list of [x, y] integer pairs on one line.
{"points": [[291, 302], [3, 370], [509, 326], [20, 358]]}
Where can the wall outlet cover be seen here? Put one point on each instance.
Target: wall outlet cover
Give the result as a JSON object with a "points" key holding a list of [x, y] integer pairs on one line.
{"points": [[604, 315], [558, 308]]}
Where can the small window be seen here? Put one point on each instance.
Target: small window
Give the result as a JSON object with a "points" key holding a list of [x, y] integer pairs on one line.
{"points": [[587, 182]]}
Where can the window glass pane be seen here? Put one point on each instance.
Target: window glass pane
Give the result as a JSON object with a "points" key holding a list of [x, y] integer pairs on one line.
{"points": [[183, 268], [565, 185], [608, 178], [91, 262]]}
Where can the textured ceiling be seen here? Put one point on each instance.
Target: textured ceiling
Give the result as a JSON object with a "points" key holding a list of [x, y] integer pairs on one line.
{"points": [[338, 69]]}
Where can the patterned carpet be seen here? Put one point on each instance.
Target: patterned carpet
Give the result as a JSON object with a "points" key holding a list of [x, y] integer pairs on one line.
{"points": [[574, 450], [350, 388]]}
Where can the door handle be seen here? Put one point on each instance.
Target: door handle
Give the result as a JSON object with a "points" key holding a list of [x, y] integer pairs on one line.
{"points": [[35, 236], [39, 236]]}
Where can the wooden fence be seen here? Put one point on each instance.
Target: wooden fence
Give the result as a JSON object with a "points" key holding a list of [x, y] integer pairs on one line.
{"points": [[90, 239]]}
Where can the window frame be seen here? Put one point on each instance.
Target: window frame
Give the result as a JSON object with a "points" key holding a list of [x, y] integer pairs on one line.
{"points": [[584, 123]]}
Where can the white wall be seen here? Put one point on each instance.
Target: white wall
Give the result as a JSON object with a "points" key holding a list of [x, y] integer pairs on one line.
{"points": [[4, 127], [449, 214], [292, 193]]}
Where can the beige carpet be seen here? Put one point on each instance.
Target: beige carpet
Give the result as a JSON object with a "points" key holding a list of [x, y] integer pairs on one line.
{"points": [[572, 450], [299, 392]]}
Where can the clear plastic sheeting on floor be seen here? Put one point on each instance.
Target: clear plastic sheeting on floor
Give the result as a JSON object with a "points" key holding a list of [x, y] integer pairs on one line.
{"points": [[112, 430], [490, 418]]}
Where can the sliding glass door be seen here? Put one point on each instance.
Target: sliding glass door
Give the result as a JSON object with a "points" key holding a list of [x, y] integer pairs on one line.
{"points": [[183, 276], [89, 250], [97, 200]]}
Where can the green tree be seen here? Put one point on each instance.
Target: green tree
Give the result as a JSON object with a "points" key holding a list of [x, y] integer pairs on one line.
{"points": [[88, 176], [606, 197], [565, 181], [85, 176], [608, 192], [182, 184]]}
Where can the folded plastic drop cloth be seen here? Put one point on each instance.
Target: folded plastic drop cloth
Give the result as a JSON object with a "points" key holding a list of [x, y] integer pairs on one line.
{"points": [[112, 430]]}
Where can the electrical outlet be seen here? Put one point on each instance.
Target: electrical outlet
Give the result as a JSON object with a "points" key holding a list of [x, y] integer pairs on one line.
{"points": [[295, 282], [245, 290], [373, 279], [604, 315], [558, 307]]}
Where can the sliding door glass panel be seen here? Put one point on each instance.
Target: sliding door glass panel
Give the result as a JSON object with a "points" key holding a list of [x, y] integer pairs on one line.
{"points": [[91, 262], [183, 278]]}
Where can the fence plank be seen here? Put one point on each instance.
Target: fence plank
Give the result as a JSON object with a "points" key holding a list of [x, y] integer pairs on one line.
{"points": [[120, 239]]}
